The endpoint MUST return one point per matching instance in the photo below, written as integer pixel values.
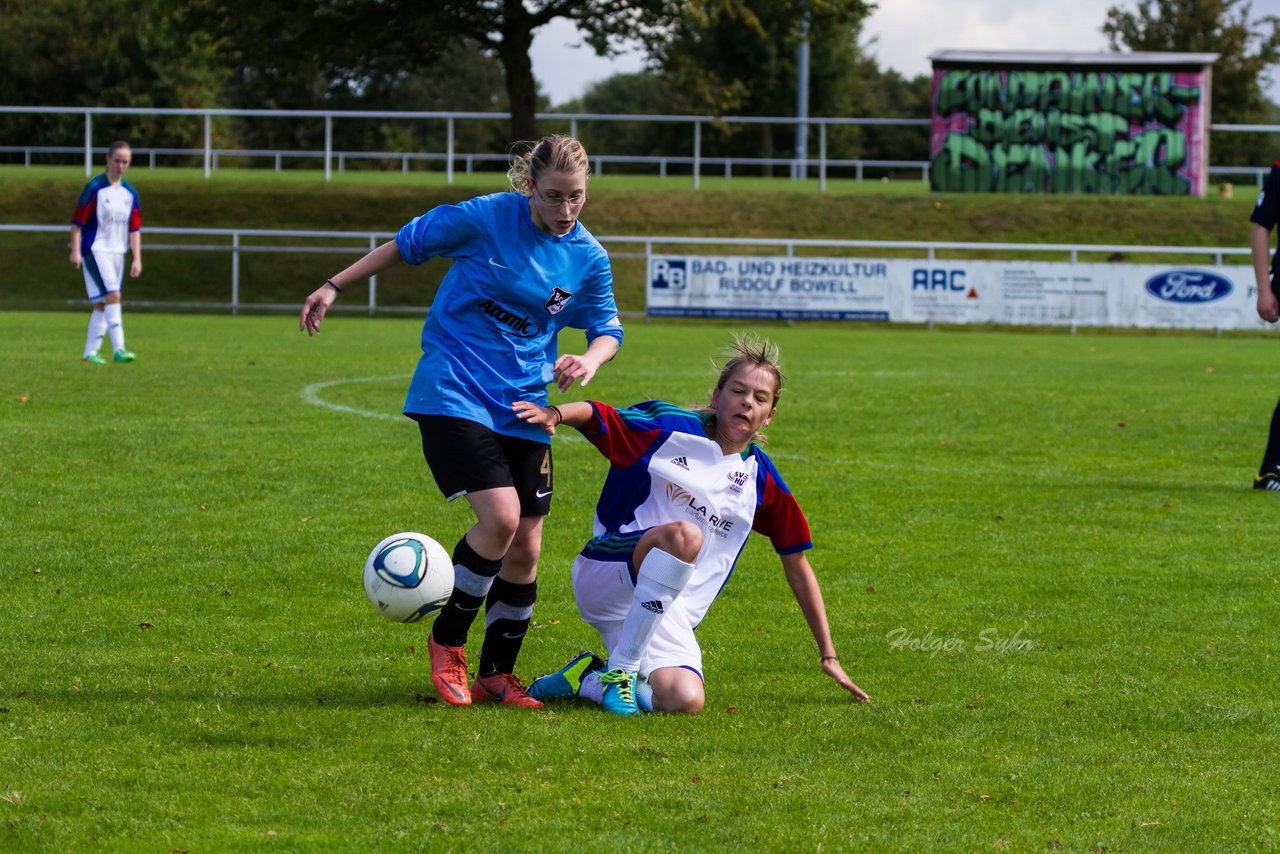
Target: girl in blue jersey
(523, 269)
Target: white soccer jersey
(106, 215)
(665, 469)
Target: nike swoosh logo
(496, 264)
(542, 494)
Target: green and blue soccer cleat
(124, 356)
(619, 692)
(566, 681)
(93, 359)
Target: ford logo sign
(1188, 286)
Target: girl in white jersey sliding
(684, 490)
(523, 269)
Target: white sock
(591, 689)
(97, 329)
(661, 578)
(644, 695)
(114, 326)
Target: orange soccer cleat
(503, 688)
(449, 672)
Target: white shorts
(604, 590)
(103, 273)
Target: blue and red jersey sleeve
(778, 514)
(135, 215)
(87, 205)
(623, 437)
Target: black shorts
(465, 456)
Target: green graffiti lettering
(1129, 95)
(1097, 95)
(1084, 163)
(951, 93)
(962, 165)
(1026, 127)
(1167, 103)
(1158, 155)
(1117, 173)
(1022, 169)
(991, 90)
(989, 128)
(1022, 89)
(1105, 129)
(1055, 91)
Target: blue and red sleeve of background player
(86, 212)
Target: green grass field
(1040, 553)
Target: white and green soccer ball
(408, 576)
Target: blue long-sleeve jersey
(490, 336)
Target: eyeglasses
(556, 200)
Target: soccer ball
(408, 576)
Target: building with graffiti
(1052, 122)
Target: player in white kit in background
(684, 490)
(107, 222)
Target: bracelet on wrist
(330, 283)
(559, 414)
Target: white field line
(311, 395)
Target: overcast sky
(905, 32)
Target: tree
(1248, 49)
(638, 93)
(122, 53)
(893, 96)
(366, 40)
(505, 28)
(739, 56)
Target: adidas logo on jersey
(655, 606)
(681, 462)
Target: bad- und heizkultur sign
(919, 291)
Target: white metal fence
(695, 161)
(599, 162)
(239, 242)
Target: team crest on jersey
(559, 297)
(737, 480)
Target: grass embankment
(37, 274)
